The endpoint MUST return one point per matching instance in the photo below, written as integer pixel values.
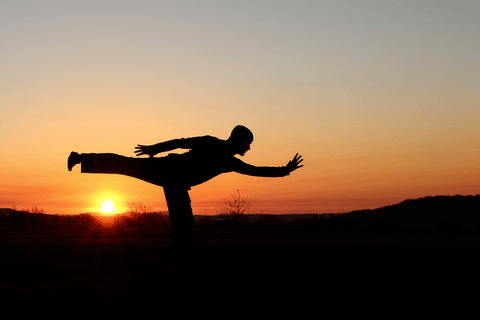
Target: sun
(107, 206)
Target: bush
(141, 216)
(236, 206)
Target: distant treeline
(440, 214)
(429, 214)
(36, 219)
(444, 214)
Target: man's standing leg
(181, 222)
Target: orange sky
(381, 99)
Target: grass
(238, 273)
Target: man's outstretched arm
(152, 150)
(183, 143)
(292, 165)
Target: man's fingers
(139, 150)
(297, 159)
(295, 162)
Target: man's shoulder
(204, 143)
(211, 140)
(203, 139)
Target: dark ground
(243, 272)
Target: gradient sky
(380, 97)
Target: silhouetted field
(238, 273)
(248, 271)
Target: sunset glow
(381, 99)
(108, 206)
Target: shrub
(141, 216)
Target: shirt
(208, 157)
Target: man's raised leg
(152, 170)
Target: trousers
(158, 171)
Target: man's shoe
(73, 159)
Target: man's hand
(294, 163)
(141, 150)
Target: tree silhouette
(236, 206)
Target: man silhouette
(177, 173)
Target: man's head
(240, 139)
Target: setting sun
(108, 206)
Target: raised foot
(73, 159)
